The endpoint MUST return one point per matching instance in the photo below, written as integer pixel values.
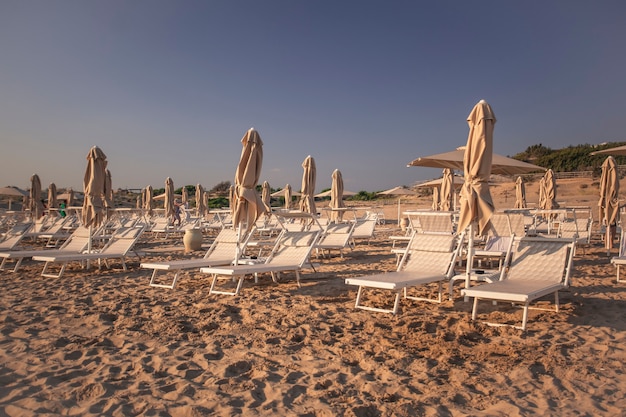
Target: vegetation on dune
(572, 158)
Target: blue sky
(168, 88)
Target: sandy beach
(105, 343)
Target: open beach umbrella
(618, 150)
(520, 193)
(609, 200)
(307, 199)
(12, 192)
(34, 200)
(336, 195)
(52, 196)
(454, 160)
(266, 196)
(168, 201)
(446, 193)
(398, 191)
(200, 201)
(248, 204)
(476, 202)
(327, 193)
(435, 205)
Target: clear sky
(168, 88)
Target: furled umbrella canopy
(94, 188)
(184, 196)
(435, 204)
(542, 192)
(148, 200)
(52, 196)
(168, 202)
(266, 196)
(307, 199)
(446, 193)
(248, 204)
(520, 193)
(336, 195)
(550, 191)
(287, 196)
(200, 202)
(34, 200)
(231, 200)
(609, 199)
(108, 190)
(476, 202)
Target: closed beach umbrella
(231, 200)
(148, 200)
(307, 199)
(34, 201)
(609, 200)
(287, 196)
(266, 196)
(435, 205)
(94, 188)
(476, 203)
(550, 191)
(248, 204)
(200, 203)
(446, 190)
(70, 197)
(336, 195)
(168, 201)
(108, 190)
(52, 196)
(542, 192)
(520, 193)
(184, 196)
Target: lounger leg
(525, 317)
(358, 296)
(556, 301)
(239, 284)
(18, 264)
(396, 303)
(474, 308)
(298, 279)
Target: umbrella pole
(399, 222)
(470, 258)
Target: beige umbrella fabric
(435, 204)
(619, 150)
(446, 192)
(266, 196)
(94, 188)
(200, 201)
(52, 196)
(542, 192)
(288, 194)
(550, 191)
(307, 199)
(609, 200)
(248, 204)
(34, 200)
(231, 200)
(148, 201)
(168, 201)
(108, 190)
(520, 194)
(11, 192)
(336, 196)
(476, 203)
(501, 165)
(184, 196)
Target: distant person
(177, 212)
(62, 209)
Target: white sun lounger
(291, 253)
(540, 266)
(222, 252)
(429, 258)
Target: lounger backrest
(224, 246)
(540, 260)
(436, 223)
(430, 253)
(364, 228)
(293, 248)
(337, 234)
(123, 240)
(14, 235)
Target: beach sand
(105, 343)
